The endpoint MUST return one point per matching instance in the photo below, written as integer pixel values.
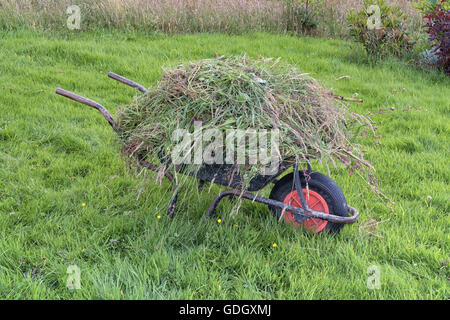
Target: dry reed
(178, 16)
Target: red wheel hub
(315, 202)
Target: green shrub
(389, 37)
(429, 6)
(437, 14)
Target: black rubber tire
(319, 183)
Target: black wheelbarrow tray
(302, 197)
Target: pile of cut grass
(238, 92)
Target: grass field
(56, 155)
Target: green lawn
(56, 155)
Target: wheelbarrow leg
(155, 168)
(173, 202)
(172, 205)
(220, 196)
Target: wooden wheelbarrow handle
(90, 103)
(126, 81)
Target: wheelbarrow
(302, 197)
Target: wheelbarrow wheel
(322, 195)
